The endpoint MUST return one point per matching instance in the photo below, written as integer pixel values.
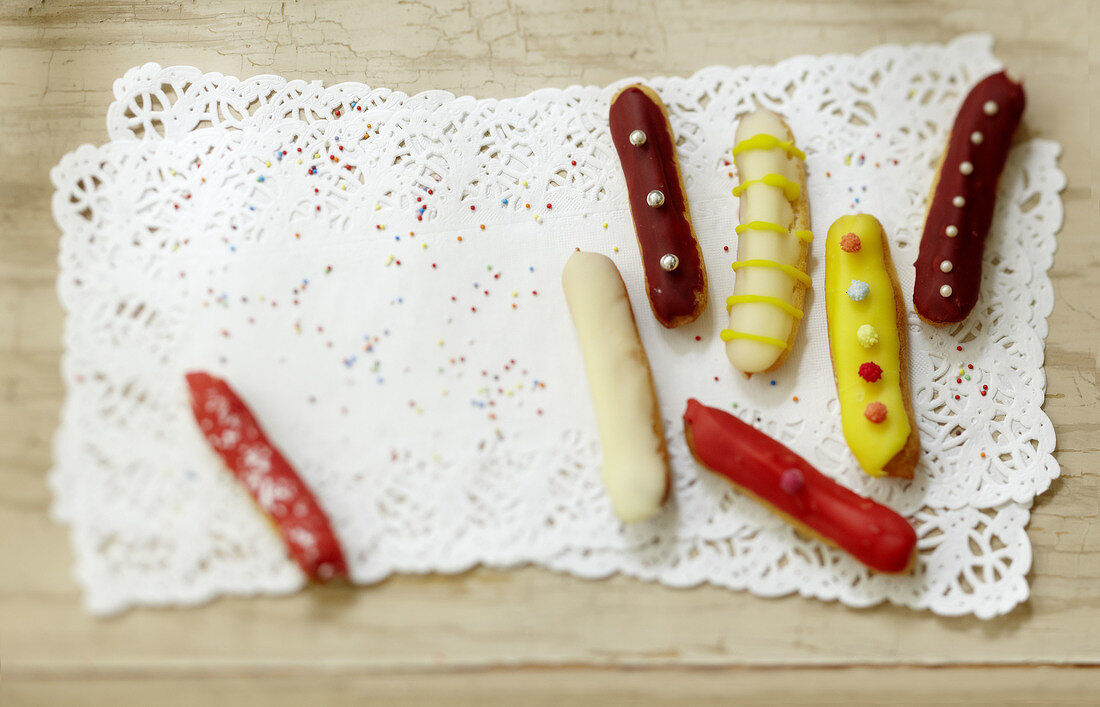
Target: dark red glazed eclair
(675, 277)
(787, 484)
(233, 432)
(960, 207)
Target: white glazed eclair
(635, 468)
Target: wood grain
(551, 687)
(528, 635)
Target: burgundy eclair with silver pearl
(960, 208)
(675, 277)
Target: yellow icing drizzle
(728, 335)
(805, 236)
(791, 190)
(782, 304)
(763, 141)
(873, 444)
(788, 269)
(758, 226)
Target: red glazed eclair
(960, 207)
(788, 485)
(675, 277)
(233, 432)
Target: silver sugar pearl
(637, 138)
(990, 108)
(976, 137)
(959, 202)
(951, 231)
(966, 168)
(669, 262)
(946, 291)
(946, 266)
(655, 198)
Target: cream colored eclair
(635, 468)
(773, 243)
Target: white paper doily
(378, 275)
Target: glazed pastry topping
(785, 482)
(866, 343)
(858, 290)
(774, 301)
(870, 371)
(790, 270)
(676, 279)
(729, 335)
(790, 189)
(763, 141)
(804, 235)
(867, 335)
(960, 210)
(791, 481)
(233, 432)
(773, 242)
(875, 412)
(635, 462)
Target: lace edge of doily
(109, 604)
(1045, 307)
(981, 42)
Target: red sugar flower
(870, 371)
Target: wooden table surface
(527, 636)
